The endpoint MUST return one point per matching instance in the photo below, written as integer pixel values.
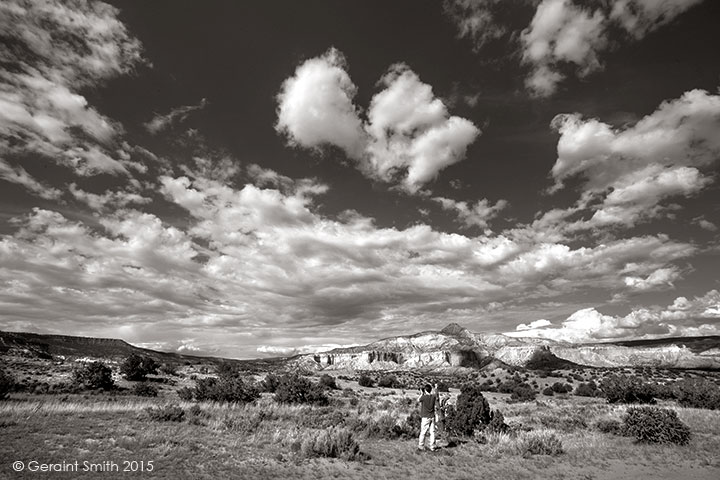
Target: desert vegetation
(213, 421)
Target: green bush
(626, 389)
(523, 393)
(656, 425)
(138, 367)
(7, 384)
(497, 422)
(93, 376)
(270, 383)
(293, 388)
(328, 381)
(226, 389)
(548, 391)
(588, 389)
(145, 389)
(366, 381)
(388, 381)
(559, 387)
(471, 412)
(168, 413)
(697, 393)
(185, 393)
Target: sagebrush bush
(471, 411)
(138, 367)
(7, 384)
(539, 443)
(145, 389)
(588, 389)
(93, 375)
(627, 389)
(656, 425)
(614, 427)
(523, 393)
(167, 413)
(185, 393)
(292, 388)
(332, 443)
(388, 381)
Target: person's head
(427, 388)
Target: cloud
(562, 33)
(408, 137)
(176, 115)
(113, 200)
(683, 318)
(315, 106)
(658, 278)
(628, 172)
(533, 325)
(18, 175)
(58, 49)
(478, 214)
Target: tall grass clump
(331, 443)
(539, 442)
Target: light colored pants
(427, 426)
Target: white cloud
(638, 17)
(176, 115)
(478, 214)
(683, 317)
(628, 172)
(409, 136)
(477, 19)
(315, 106)
(17, 174)
(60, 48)
(533, 325)
(658, 278)
(117, 199)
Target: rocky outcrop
(455, 346)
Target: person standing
(427, 401)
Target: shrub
(7, 384)
(328, 382)
(697, 393)
(185, 393)
(270, 383)
(388, 381)
(332, 443)
(168, 413)
(559, 387)
(168, 369)
(587, 390)
(472, 411)
(610, 426)
(137, 367)
(226, 389)
(626, 389)
(548, 391)
(497, 422)
(539, 443)
(366, 381)
(93, 375)
(523, 393)
(656, 425)
(293, 388)
(145, 389)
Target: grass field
(268, 440)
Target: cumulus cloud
(683, 317)
(59, 48)
(628, 172)
(478, 214)
(408, 136)
(533, 325)
(176, 115)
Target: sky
(253, 179)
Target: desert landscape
(126, 412)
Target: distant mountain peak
(454, 329)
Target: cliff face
(455, 346)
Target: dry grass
(270, 440)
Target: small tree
(7, 384)
(328, 382)
(656, 425)
(94, 375)
(366, 381)
(627, 389)
(296, 389)
(471, 412)
(388, 381)
(137, 367)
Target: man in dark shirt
(427, 400)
